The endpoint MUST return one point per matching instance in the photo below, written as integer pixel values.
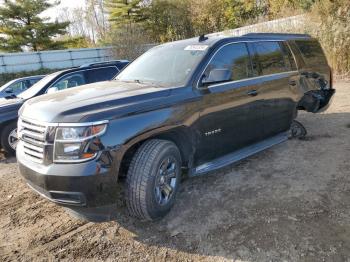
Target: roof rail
(103, 63)
(272, 35)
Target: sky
(53, 12)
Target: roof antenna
(202, 38)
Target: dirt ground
(289, 203)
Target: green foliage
(21, 26)
(167, 20)
(283, 8)
(124, 11)
(239, 12)
(155, 21)
(333, 30)
(76, 42)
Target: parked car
(195, 105)
(85, 74)
(17, 86)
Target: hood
(93, 102)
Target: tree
(282, 8)
(167, 20)
(124, 11)
(22, 27)
(96, 18)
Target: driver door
(232, 115)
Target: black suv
(85, 74)
(195, 105)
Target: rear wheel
(9, 138)
(153, 179)
(297, 130)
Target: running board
(239, 154)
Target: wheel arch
(181, 136)
(3, 125)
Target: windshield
(167, 65)
(2, 88)
(36, 88)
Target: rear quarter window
(311, 52)
(101, 74)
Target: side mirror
(9, 90)
(217, 76)
(52, 90)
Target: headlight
(72, 142)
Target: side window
(101, 74)
(288, 57)
(235, 58)
(18, 87)
(122, 65)
(14, 88)
(270, 58)
(311, 52)
(68, 81)
(33, 81)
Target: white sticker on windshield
(196, 47)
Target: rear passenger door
(275, 67)
(101, 74)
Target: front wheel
(9, 138)
(153, 179)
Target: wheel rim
(166, 181)
(297, 130)
(13, 139)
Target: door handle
(252, 93)
(292, 83)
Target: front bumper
(86, 184)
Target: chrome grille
(33, 136)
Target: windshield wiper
(142, 82)
(148, 82)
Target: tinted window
(234, 57)
(288, 57)
(269, 58)
(69, 81)
(121, 65)
(18, 87)
(311, 52)
(33, 81)
(100, 74)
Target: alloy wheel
(13, 139)
(166, 180)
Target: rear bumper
(317, 101)
(72, 185)
(327, 99)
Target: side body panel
(230, 119)
(315, 75)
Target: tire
(7, 136)
(297, 130)
(148, 194)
